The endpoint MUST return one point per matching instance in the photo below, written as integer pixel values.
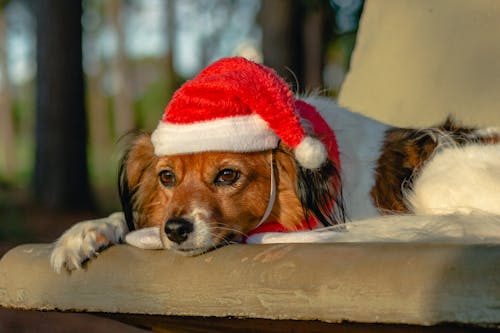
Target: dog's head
(205, 200)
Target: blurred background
(75, 76)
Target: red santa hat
(235, 105)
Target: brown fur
(403, 154)
(235, 210)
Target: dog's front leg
(83, 241)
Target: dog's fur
(206, 200)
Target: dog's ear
(138, 160)
(320, 193)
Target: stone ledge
(398, 283)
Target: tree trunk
(281, 39)
(313, 50)
(100, 137)
(169, 58)
(61, 174)
(294, 36)
(7, 133)
(123, 110)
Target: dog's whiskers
(231, 229)
(224, 239)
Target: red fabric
(238, 87)
(275, 226)
(321, 130)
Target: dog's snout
(178, 229)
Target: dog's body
(205, 200)
(388, 170)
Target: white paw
(145, 238)
(83, 241)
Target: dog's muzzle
(178, 229)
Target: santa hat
(235, 105)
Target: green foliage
(12, 217)
(150, 106)
(3, 4)
(24, 122)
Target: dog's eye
(167, 178)
(226, 177)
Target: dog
(293, 165)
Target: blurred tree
(280, 37)
(7, 133)
(295, 34)
(315, 36)
(61, 174)
(169, 57)
(212, 38)
(98, 113)
(123, 112)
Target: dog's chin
(192, 252)
(196, 251)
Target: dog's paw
(84, 240)
(145, 238)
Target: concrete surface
(415, 62)
(422, 284)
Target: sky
(145, 22)
(20, 43)
(145, 30)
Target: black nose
(178, 229)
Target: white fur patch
(80, 242)
(145, 238)
(456, 228)
(458, 180)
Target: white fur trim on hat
(239, 134)
(310, 153)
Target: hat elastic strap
(272, 195)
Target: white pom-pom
(310, 153)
